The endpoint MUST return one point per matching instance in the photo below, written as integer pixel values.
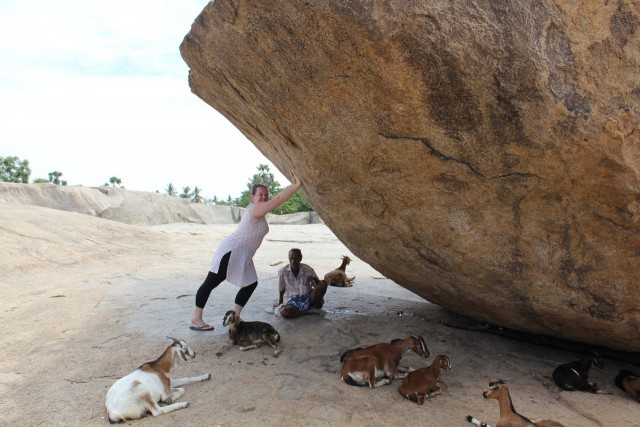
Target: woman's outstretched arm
(261, 209)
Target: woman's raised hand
(294, 179)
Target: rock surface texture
(484, 155)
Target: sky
(97, 88)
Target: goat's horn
(173, 339)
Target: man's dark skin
(319, 289)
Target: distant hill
(132, 207)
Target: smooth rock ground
(85, 301)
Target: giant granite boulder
(484, 155)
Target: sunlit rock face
(484, 155)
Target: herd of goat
(148, 390)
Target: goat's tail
(476, 421)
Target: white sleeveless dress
(243, 244)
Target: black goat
(629, 382)
(574, 375)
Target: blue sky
(96, 89)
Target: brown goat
(338, 277)
(421, 383)
(508, 415)
(629, 382)
(363, 366)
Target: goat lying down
(135, 395)
(338, 277)
(629, 382)
(249, 335)
(363, 366)
(508, 415)
(573, 376)
(420, 384)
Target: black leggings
(214, 279)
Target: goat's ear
(495, 383)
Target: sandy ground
(85, 301)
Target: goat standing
(338, 277)
(508, 415)
(421, 383)
(574, 375)
(362, 366)
(629, 382)
(249, 335)
(131, 397)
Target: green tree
(196, 196)
(186, 193)
(12, 169)
(296, 203)
(40, 180)
(115, 180)
(54, 177)
(263, 177)
(171, 190)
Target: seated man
(299, 288)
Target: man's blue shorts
(302, 302)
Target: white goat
(131, 397)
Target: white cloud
(96, 89)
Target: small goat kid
(131, 397)
(363, 366)
(508, 415)
(574, 375)
(338, 277)
(420, 384)
(629, 382)
(249, 335)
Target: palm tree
(264, 177)
(171, 190)
(196, 196)
(186, 193)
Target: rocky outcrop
(117, 204)
(485, 155)
(134, 207)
